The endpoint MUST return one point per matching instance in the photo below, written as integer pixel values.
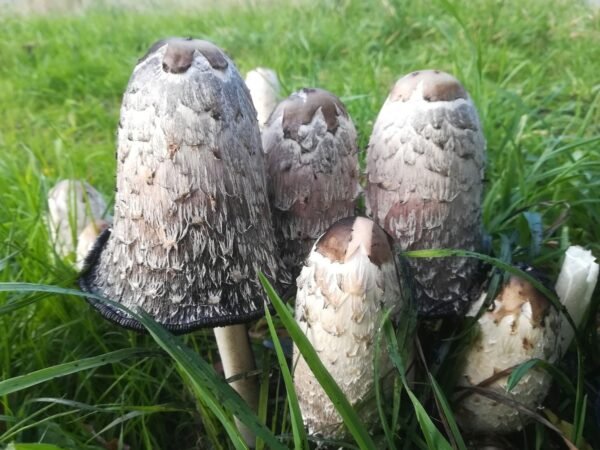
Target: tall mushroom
(74, 208)
(521, 325)
(312, 170)
(425, 166)
(349, 279)
(192, 223)
(264, 88)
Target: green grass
(532, 69)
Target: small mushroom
(73, 205)
(425, 165)
(192, 224)
(348, 281)
(521, 325)
(86, 240)
(264, 88)
(312, 170)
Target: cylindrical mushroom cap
(348, 280)
(192, 222)
(312, 170)
(425, 166)
(264, 88)
(521, 325)
(72, 206)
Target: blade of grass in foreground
(433, 436)
(40, 376)
(300, 440)
(207, 385)
(333, 391)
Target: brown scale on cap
(437, 87)
(344, 237)
(515, 293)
(179, 55)
(300, 108)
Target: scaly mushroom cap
(264, 89)
(521, 325)
(425, 166)
(312, 170)
(72, 206)
(192, 222)
(349, 279)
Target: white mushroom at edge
(76, 215)
(522, 325)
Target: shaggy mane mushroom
(192, 225)
(425, 166)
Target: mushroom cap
(192, 223)
(312, 169)
(264, 88)
(425, 167)
(349, 279)
(72, 206)
(520, 325)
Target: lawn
(531, 67)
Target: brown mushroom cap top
(436, 86)
(300, 108)
(180, 54)
(515, 293)
(345, 237)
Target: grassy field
(531, 67)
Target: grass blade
(206, 384)
(337, 397)
(300, 440)
(519, 371)
(443, 403)
(433, 436)
(40, 376)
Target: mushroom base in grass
(522, 325)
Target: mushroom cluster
(205, 202)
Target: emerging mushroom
(312, 170)
(73, 206)
(348, 281)
(425, 166)
(192, 222)
(522, 325)
(264, 88)
(86, 240)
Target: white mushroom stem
(237, 359)
(575, 286)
